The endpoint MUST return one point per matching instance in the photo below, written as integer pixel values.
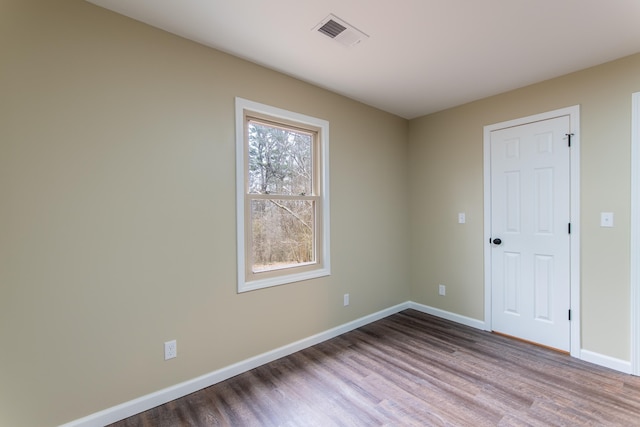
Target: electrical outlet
(170, 349)
(442, 290)
(462, 218)
(346, 300)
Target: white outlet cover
(346, 300)
(462, 218)
(170, 349)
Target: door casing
(635, 234)
(574, 115)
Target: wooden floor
(412, 369)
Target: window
(282, 196)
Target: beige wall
(117, 210)
(446, 177)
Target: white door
(530, 241)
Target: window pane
(279, 160)
(282, 232)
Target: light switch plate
(606, 219)
(462, 218)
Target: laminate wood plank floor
(412, 369)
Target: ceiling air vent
(340, 31)
(332, 29)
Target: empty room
(319, 213)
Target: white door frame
(635, 234)
(574, 117)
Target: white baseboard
(168, 394)
(468, 321)
(586, 355)
(606, 361)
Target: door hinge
(569, 314)
(569, 135)
(569, 228)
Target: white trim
(606, 361)
(487, 226)
(168, 394)
(141, 404)
(244, 285)
(635, 234)
(463, 320)
(574, 119)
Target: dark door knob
(497, 241)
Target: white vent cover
(340, 31)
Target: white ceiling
(421, 56)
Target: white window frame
(248, 281)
